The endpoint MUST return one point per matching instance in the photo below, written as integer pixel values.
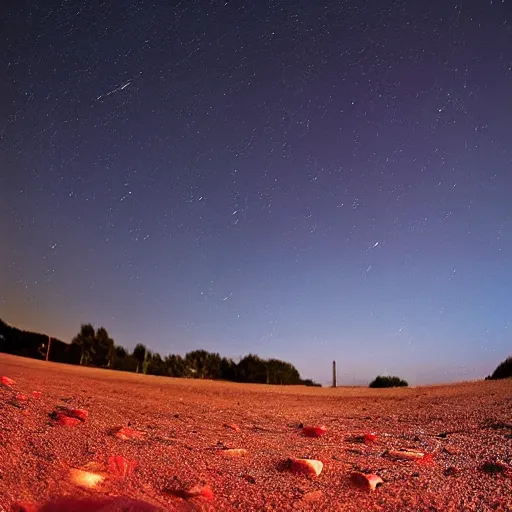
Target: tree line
(502, 371)
(95, 347)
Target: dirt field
(184, 437)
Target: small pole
(48, 349)
(334, 374)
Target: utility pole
(334, 374)
(48, 349)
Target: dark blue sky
(308, 181)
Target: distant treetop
(388, 382)
(503, 370)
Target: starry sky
(302, 180)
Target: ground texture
(183, 437)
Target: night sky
(302, 180)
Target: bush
(388, 382)
(503, 370)
(311, 383)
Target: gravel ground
(183, 433)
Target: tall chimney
(334, 374)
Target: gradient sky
(304, 180)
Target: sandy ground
(183, 423)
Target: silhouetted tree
(175, 365)
(120, 352)
(156, 365)
(124, 361)
(387, 382)
(104, 352)
(251, 368)
(85, 339)
(281, 372)
(120, 355)
(139, 353)
(196, 363)
(227, 369)
(503, 370)
(213, 368)
(147, 360)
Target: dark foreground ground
(466, 427)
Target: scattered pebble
(405, 454)
(204, 491)
(232, 426)
(369, 438)
(314, 431)
(366, 481)
(64, 420)
(80, 414)
(86, 479)
(6, 381)
(309, 467)
(126, 433)
(120, 466)
(235, 452)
